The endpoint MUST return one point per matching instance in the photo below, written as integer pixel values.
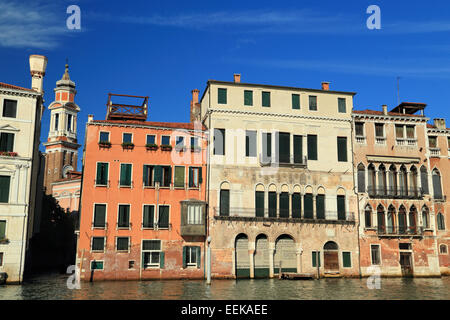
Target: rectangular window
(127, 138)
(259, 203)
(432, 141)
(165, 140)
(405, 246)
(125, 174)
(194, 142)
(250, 143)
(296, 205)
(194, 214)
(342, 108)
(272, 204)
(102, 174)
(2, 229)
(7, 142)
(296, 101)
(195, 177)
(191, 256)
(359, 129)
(1, 259)
(98, 244)
(123, 220)
(410, 132)
(399, 131)
(284, 205)
(248, 98)
(163, 220)
(267, 147)
(309, 209)
(341, 207)
(104, 137)
(69, 122)
(96, 265)
(347, 259)
(152, 256)
(5, 182)
(342, 149)
(147, 177)
(122, 243)
(148, 216)
(222, 96)
(166, 176)
(320, 206)
(313, 103)
(224, 202)
(99, 215)
(56, 121)
(284, 150)
(379, 131)
(266, 99)
(316, 259)
(375, 252)
(179, 177)
(9, 108)
(219, 142)
(298, 149)
(151, 139)
(312, 147)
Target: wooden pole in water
(317, 264)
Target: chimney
(325, 86)
(195, 106)
(237, 77)
(38, 64)
(90, 117)
(384, 109)
(439, 123)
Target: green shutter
(347, 259)
(313, 103)
(224, 202)
(169, 175)
(4, 188)
(312, 147)
(158, 174)
(2, 229)
(191, 177)
(295, 101)
(265, 99)
(145, 175)
(259, 203)
(179, 177)
(222, 96)
(184, 257)
(284, 205)
(298, 149)
(163, 221)
(123, 174)
(248, 97)
(10, 142)
(309, 211)
(341, 207)
(342, 149)
(315, 258)
(320, 206)
(200, 177)
(99, 215)
(296, 205)
(272, 204)
(284, 147)
(341, 105)
(267, 147)
(161, 260)
(149, 214)
(199, 255)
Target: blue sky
(164, 49)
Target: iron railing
(397, 231)
(392, 192)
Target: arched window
(391, 219)
(259, 201)
(440, 221)
(368, 216)
(402, 220)
(341, 204)
(437, 189)
(371, 182)
(392, 180)
(224, 199)
(425, 217)
(413, 182)
(382, 180)
(424, 180)
(443, 249)
(381, 220)
(412, 219)
(403, 180)
(361, 178)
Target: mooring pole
(208, 262)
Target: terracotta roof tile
(374, 112)
(10, 86)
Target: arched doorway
(262, 257)
(331, 256)
(242, 258)
(285, 255)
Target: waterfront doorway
(262, 266)
(406, 260)
(285, 257)
(331, 257)
(242, 259)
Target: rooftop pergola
(121, 111)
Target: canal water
(54, 287)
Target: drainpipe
(357, 200)
(208, 279)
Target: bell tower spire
(61, 147)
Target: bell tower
(61, 147)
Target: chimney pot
(325, 85)
(237, 77)
(38, 64)
(439, 123)
(195, 94)
(90, 117)
(384, 109)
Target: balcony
(395, 193)
(283, 216)
(293, 162)
(408, 142)
(435, 152)
(380, 140)
(192, 221)
(399, 231)
(360, 139)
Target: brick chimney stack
(439, 123)
(325, 86)
(195, 106)
(384, 109)
(237, 77)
